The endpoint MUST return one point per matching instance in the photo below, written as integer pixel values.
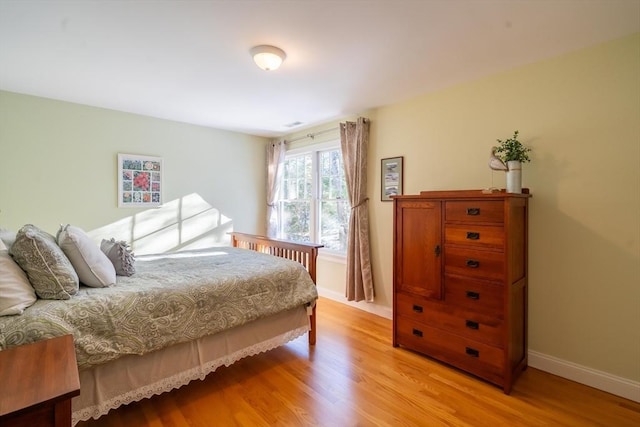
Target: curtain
(275, 160)
(354, 139)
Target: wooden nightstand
(38, 381)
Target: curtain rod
(311, 135)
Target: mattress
(173, 298)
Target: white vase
(514, 176)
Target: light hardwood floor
(354, 377)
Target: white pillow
(16, 293)
(7, 237)
(92, 265)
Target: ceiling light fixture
(268, 57)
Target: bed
(169, 324)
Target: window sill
(331, 256)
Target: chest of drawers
(460, 280)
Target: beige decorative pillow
(16, 293)
(120, 256)
(48, 268)
(92, 265)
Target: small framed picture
(139, 181)
(391, 178)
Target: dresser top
(467, 194)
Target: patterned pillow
(120, 256)
(92, 265)
(48, 268)
(16, 292)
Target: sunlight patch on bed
(179, 255)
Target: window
(314, 204)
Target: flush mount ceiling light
(268, 57)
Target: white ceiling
(189, 60)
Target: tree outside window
(314, 204)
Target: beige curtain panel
(275, 160)
(354, 139)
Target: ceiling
(189, 60)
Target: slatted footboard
(304, 253)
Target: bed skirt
(132, 378)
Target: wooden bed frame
(304, 253)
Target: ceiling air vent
(293, 124)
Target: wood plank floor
(354, 377)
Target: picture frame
(391, 178)
(139, 180)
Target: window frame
(315, 150)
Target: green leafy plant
(512, 149)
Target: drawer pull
(417, 308)
(472, 352)
(472, 235)
(437, 250)
(471, 324)
(473, 295)
(417, 332)
(473, 211)
(472, 263)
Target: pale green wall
(581, 115)
(58, 165)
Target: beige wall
(58, 165)
(581, 115)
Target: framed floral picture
(391, 178)
(139, 181)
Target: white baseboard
(572, 371)
(584, 375)
(378, 310)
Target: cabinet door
(418, 260)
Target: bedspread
(172, 298)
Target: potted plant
(513, 154)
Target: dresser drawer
(414, 307)
(486, 328)
(474, 211)
(480, 359)
(474, 295)
(481, 236)
(474, 263)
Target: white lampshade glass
(267, 61)
(268, 57)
